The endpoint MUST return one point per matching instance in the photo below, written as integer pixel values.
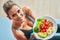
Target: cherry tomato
(46, 24)
(43, 26)
(44, 20)
(39, 30)
(47, 27)
(43, 30)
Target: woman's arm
(19, 34)
(29, 12)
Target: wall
(39, 7)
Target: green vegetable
(36, 28)
(42, 34)
(39, 23)
(39, 19)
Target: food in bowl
(43, 27)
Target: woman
(21, 26)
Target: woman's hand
(33, 36)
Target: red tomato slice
(43, 30)
(44, 20)
(46, 24)
(43, 26)
(47, 27)
(39, 30)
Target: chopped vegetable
(36, 28)
(42, 34)
(43, 27)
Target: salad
(43, 27)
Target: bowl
(50, 35)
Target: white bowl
(54, 31)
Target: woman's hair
(8, 5)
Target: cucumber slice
(42, 34)
(50, 30)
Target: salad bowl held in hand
(44, 27)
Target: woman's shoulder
(15, 30)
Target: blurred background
(39, 7)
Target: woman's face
(16, 14)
